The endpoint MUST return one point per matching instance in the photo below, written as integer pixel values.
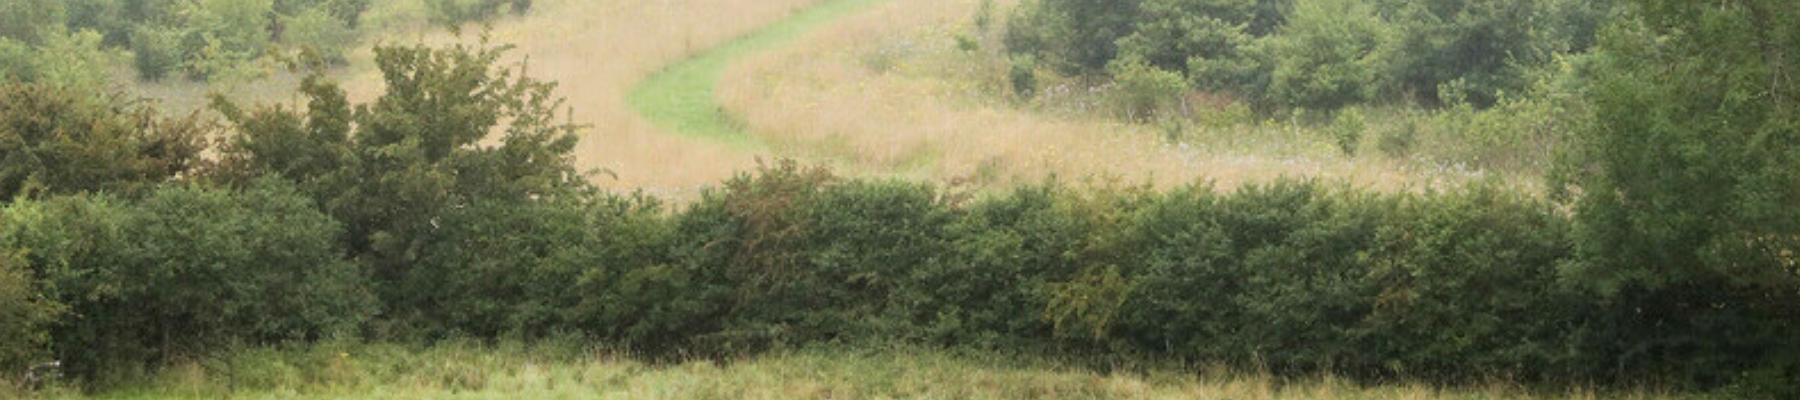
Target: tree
(317, 32)
(29, 20)
(1207, 40)
(452, 130)
(1329, 55)
(223, 36)
(1685, 187)
(1076, 36)
(1479, 48)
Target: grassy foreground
(681, 97)
(461, 371)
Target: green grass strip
(681, 99)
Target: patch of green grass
(681, 97)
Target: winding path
(681, 99)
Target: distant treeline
(1315, 54)
(1665, 255)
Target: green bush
(186, 271)
(1469, 288)
(1683, 192)
(1347, 129)
(525, 270)
(393, 168)
(1143, 92)
(1009, 254)
(1484, 47)
(56, 140)
(156, 52)
(788, 257)
(25, 315)
(453, 14)
(28, 20)
(1074, 36)
(108, 17)
(1207, 41)
(319, 33)
(1329, 55)
(18, 61)
(1023, 77)
(74, 61)
(1270, 275)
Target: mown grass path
(681, 99)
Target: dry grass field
(885, 91)
(514, 372)
(598, 50)
(889, 92)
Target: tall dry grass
(563, 371)
(598, 50)
(891, 92)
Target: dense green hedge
(186, 270)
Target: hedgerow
(450, 208)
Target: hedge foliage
(185, 270)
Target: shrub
(1483, 47)
(318, 33)
(788, 257)
(1023, 76)
(1347, 130)
(156, 52)
(1469, 289)
(55, 140)
(1329, 55)
(186, 271)
(525, 270)
(25, 314)
(108, 17)
(223, 38)
(73, 61)
(1684, 200)
(453, 14)
(1075, 36)
(392, 169)
(28, 20)
(1143, 92)
(1269, 275)
(18, 61)
(1397, 140)
(1204, 40)
(1011, 258)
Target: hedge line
(450, 207)
(1297, 277)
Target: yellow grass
(457, 371)
(599, 49)
(887, 92)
